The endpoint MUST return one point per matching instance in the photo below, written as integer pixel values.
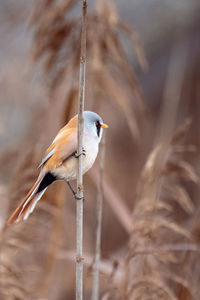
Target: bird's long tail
(28, 204)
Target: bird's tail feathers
(28, 204)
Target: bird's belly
(68, 170)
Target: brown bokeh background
(143, 78)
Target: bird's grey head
(93, 124)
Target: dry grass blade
(148, 226)
(182, 197)
(183, 169)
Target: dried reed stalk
(95, 286)
(79, 203)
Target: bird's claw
(82, 153)
(78, 198)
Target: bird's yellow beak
(103, 125)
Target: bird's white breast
(91, 147)
(68, 170)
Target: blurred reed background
(143, 77)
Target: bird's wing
(47, 157)
(63, 147)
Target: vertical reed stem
(95, 286)
(79, 203)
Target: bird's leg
(82, 153)
(71, 188)
(73, 192)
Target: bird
(60, 161)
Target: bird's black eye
(98, 126)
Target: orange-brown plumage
(64, 146)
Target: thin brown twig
(95, 286)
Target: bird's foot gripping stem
(74, 193)
(78, 198)
(82, 153)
